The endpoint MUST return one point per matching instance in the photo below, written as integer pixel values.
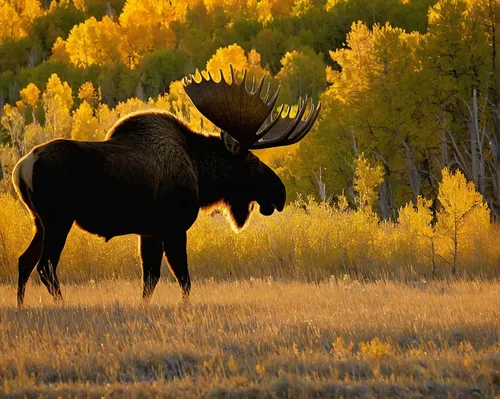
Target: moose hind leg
(175, 251)
(28, 261)
(53, 244)
(151, 250)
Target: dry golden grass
(257, 338)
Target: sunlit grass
(258, 338)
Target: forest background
(401, 173)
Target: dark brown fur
(150, 177)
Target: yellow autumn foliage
(88, 93)
(375, 348)
(93, 42)
(57, 101)
(235, 55)
(463, 215)
(366, 181)
(307, 241)
(11, 23)
(30, 95)
(85, 124)
(417, 233)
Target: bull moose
(152, 174)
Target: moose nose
(267, 209)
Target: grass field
(253, 339)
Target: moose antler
(247, 117)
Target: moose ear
(232, 145)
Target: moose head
(247, 121)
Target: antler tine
(231, 70)
(187, 79)
(258, 91)
(197, 72)
(300, 103)
(311, 118)
(275, 97)
(307, 120)
(243, 81)
(291, 127)
(293, 132)
(223, 79)
(253, 85)
(287, 112)
(273, 120)
(266, 96)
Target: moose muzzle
(273, 194)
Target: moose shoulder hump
(147, 123)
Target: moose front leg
(151, 250)
(28, 261)
(174, 246)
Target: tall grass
(307, 241)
